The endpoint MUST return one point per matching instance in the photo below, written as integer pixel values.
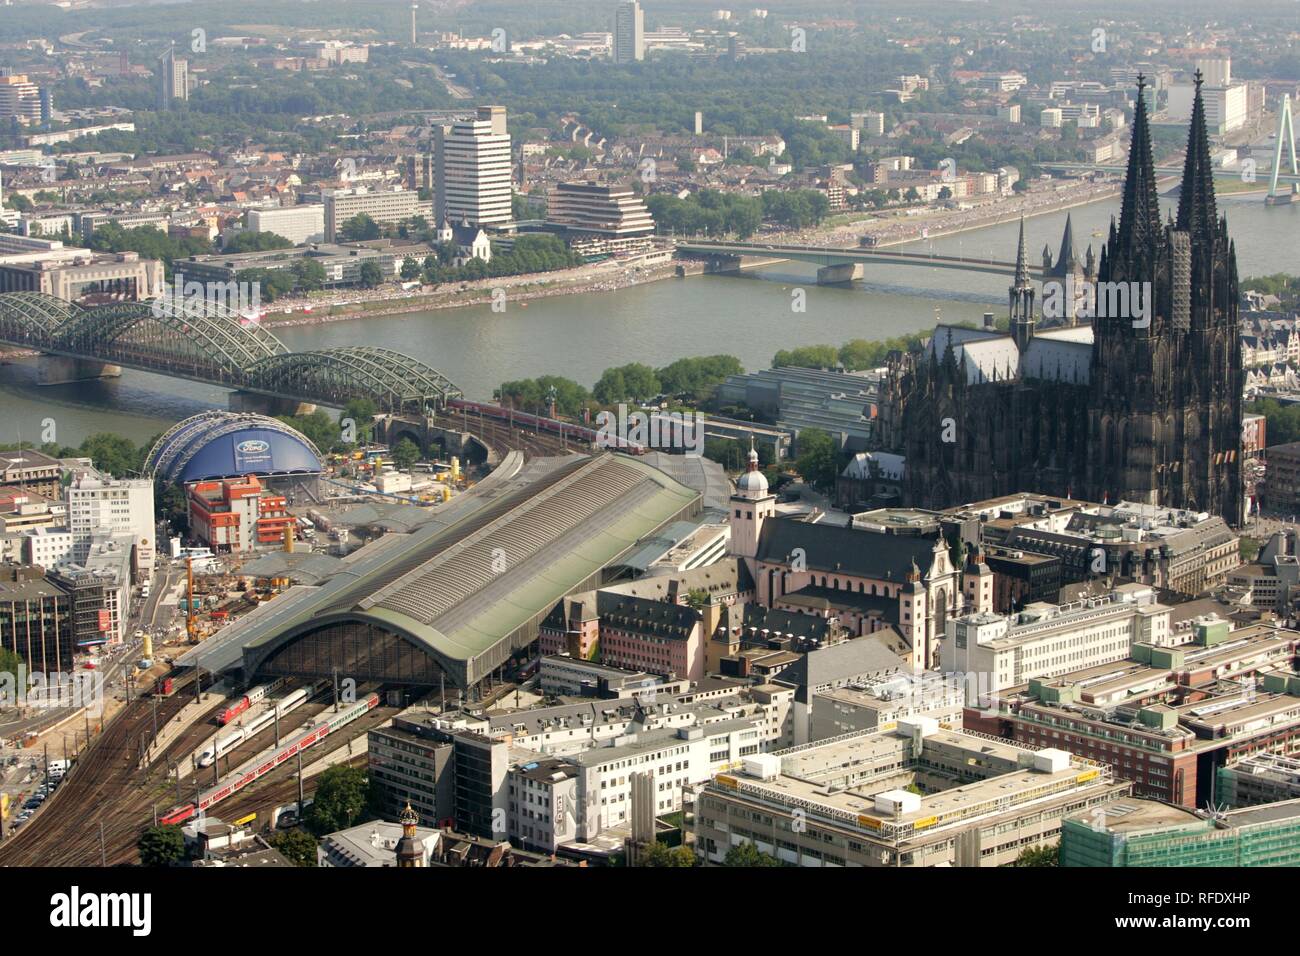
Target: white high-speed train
(228, 742)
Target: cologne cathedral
(1142, 407)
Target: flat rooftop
(1265, 813)
(812, 776)
(1131, 816)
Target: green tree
(161, 846)
(410, 269)
(1282, 422)
(112, 453)
(1285, 287)
(19, 202)
(808, 356)
(342, 799)
(817, 457)
(148, 242)
(796, 208)
(9, 663)
(698, 598)
(360, 228)
(322, 430)
(533, 395)
(405, 454)
(858, 354)
(696, 378)
(173, 505)
(308, 274)
(255, 242)
(734, 455)
(659, 853)
(633, 382)
(370, 275)
(1039, 856)
(297, 846)
(271, 283)
(362, 411)
(746, 854)
(707, 211)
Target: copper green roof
(471, 590)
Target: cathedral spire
(1022, 259)
(1067, 257)
(1021, 296)
(1196, 206)
(1139, 217)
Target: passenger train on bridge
(578, 433)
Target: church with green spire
(1141, 404)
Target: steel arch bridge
(216, 346)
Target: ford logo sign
(253, 446)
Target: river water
(578, 336)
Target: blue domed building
(219, 444)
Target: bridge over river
(838, 265)
(215, 346)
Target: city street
(22, 769)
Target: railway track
(109, 786)
(281, 786)
(501, 438)
(201, 778)
(102, 789)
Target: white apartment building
(629, 33)
(1046, 640)
(471, 162)
(99, 505)
(544, 804)
(383, 206)
(680, 758)
(870, 122)
(47, 547)
(299, 224)
(1226, 107)
(570, 729)
(173, 79)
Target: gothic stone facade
(1137, 407)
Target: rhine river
(578, 336)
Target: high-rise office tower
(173, 80)
(21, 98)
(629, 33)
(472, 169)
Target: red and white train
(248, 700)
(262, 765)
(229, 741)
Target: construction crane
(190, 628)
